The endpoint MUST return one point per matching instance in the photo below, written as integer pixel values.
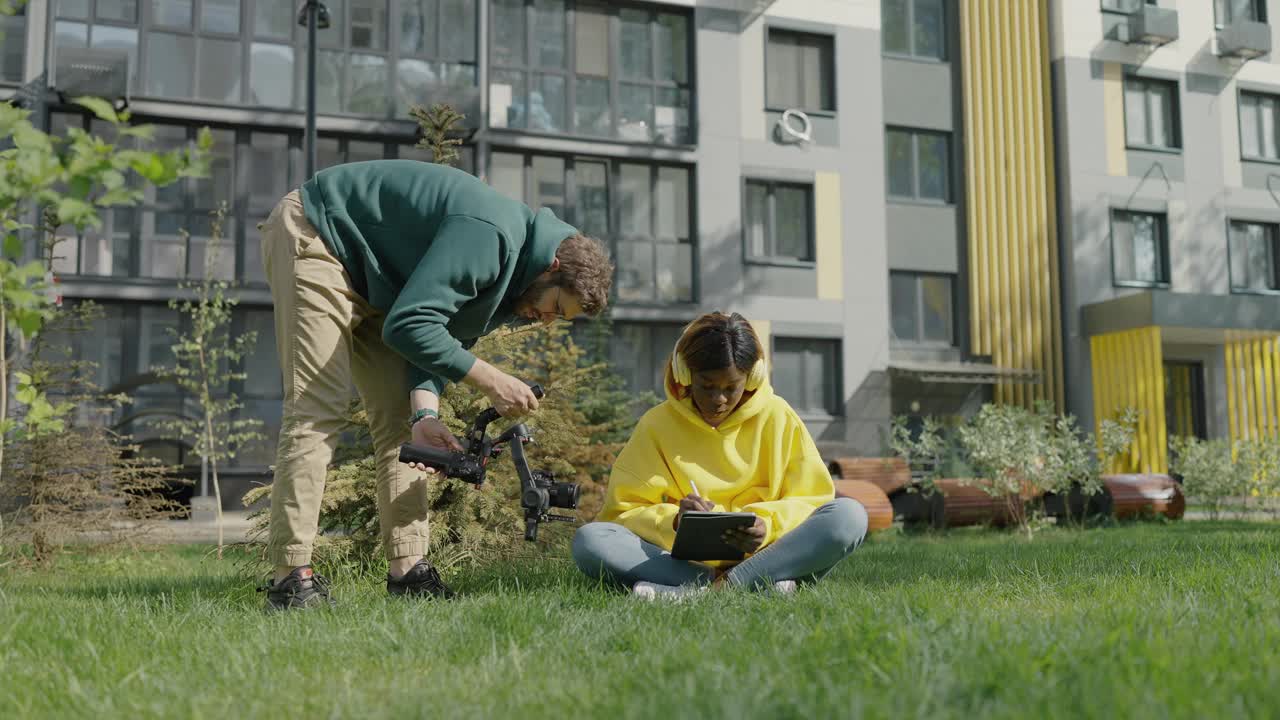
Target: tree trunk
(217, 490)
(4, 381)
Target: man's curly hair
(586, 271)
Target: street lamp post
(314, 15)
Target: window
(1151, 113)
(253, 51)
(923, 308)
(800, 71)
(1139, 248)
(130, 340)
(806, 373)
(779, 221)
(919, 164)
(638, 352)
(437, 44)
(251, 170)
(641, 208)
(1226, 12)
(917, 28)
(1126, 6)
(572, 66)
(1255, 257)
(13, 45)
(1258, 128)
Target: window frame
(1138, 4)
(529, 69)
(948, 174)
(248, 38)
(836, 346)
(241, 219)
(1174, 113)
(1162, 249)
(828, 38)
(1273, 236)
(771, 187)
(911, 54)
(615, 235)
(1259, 97)
(919, 341)
(15, 23)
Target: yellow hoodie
(761, 459)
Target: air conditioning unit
(1245, 39)
(92, 71)
(1151, 25)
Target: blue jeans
(608, 551)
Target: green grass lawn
(1176, 620)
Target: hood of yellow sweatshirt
(747, 409)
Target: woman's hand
(692, 503)
(748, 539)
(431, 432)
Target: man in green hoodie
(384, 274)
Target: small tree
(206, 362)
(1209, 473)
(438, 127)
(66, 182)
(470, 524)
(81, 479)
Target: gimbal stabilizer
(539, 491)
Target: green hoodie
(444, 255)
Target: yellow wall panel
(1113, 113)
(1009, 166)
(1253, 386)
(829, 236)
(1128, 369)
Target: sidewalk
(204, 529)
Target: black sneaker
(422, 580)
(302, 588)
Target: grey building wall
(1200, 187)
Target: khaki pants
(327, 336)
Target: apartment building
(1166, 131)
(839, 171)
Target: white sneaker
(784, 587)
(652, 591)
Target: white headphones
(683, 377)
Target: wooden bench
(1138, 495)
(888, 474)
(879, 509)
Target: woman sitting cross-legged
(722, 441)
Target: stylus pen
(695, 488)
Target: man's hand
(748, 539)
(691, 503)
(431, 432)
(511, 397)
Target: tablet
(698, 537)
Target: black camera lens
(564, 495)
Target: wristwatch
(419, 414)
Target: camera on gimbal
(539, 490)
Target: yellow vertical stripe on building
(1159, 455)
(1113, 117)
(1128, 369)
(1268, 389)
(1012, 236)
(829, 235)
(977, 218)
(1229, 365)
(1253, 386)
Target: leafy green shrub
(576, 437)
